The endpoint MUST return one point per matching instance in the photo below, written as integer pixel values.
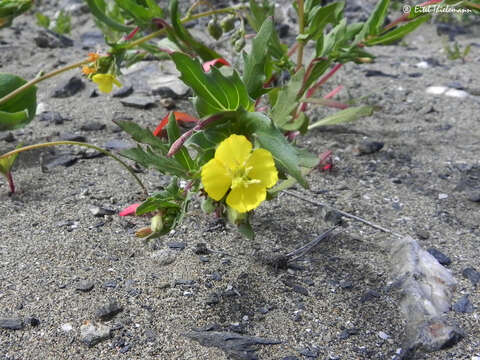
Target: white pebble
(383, 335)
(423, 65)
(436, 90)
(442, 196)
(67, 327)
(456, 93)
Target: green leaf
(154, 10)
(160, 162)
(398, 32)
(374, 23)
(318, 70)
(6, 163)
(137, 11)
(320, 16)
(20, 110)
(101, 16)
(214, 92)
(246, 230)
(182, 33)
(143, 136)
(334, 40)
(281, 113)
(258, 14)
(343, 116)
(62, 23)
(254, 63)
(173, 132)
(283, 152)
(42, 20)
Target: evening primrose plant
(240, 151)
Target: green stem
(103, 151)
(301, 29)
(41, 78)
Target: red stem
(10, 182)
(333, 92)
(322, 81)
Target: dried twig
(343, 213)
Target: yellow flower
(248, 174)
(105, 82)
(87, 70)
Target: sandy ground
(417, 185)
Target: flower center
(240, 177)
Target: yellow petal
(105, 82)
(233, 151)
(244, 199)
(263, 167)
(216, 179)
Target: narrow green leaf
(133, 8)
(11, 121)
(398, 32)
(254, 63)
(101, 16)
(42, 20)
(154, 10)
(173, 132)
(281, 113)
(343, 116)
(320, 16)
(246, 230)
(374, 23)
(160, 162)
(214, 92)
(143, 136)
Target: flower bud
(214, 29)
(239, 44)
(157, 223)
(143, 232)
(228, 23)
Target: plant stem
(65, 142)
(301, 29)
(41, 78)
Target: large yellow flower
(248, 174)
(105, 82)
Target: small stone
(370, 73)
(98, 211)
(9, 138)
(169, 86)
(52, 40)
(212, 299)
(441, 257)
(436, 90)
(422, 233)
(297, 288)
(346, 284)
(167, 103)
(333, 217)
(176, 245)
(422, 65)
(118, 145)
(138, 101)
(70, 88)
(460, 94)
(463, 305)
(283, 30)
(85, 286)
(124, 349)
(442, 196)
(108, 311)
(471, 274)
(382, 335)
(53, 117)
(67, 327)
(309, 353)
(369, 295)
(93, 126)
(216, 276)
(32, 321)
(164, 257)
(474, 196)
(73, 137)
(201, 249)
(369, 147)
(345, 334)
(92, 333)
(124, 91)
(290, 358)
(110, 284)
(11, 324)
(204, 259)
(62, 160)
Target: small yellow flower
(105, 82)
(93, 57)
(248, 174)
(87, 70)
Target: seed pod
(228, 23)
(235, 36)
(239, 44)
(214, 29)
(157, 223)
(207, 205)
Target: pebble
(11, 324)
(67, 327)
(176, 245)
(370, 73)
(441, 257)
(124, 91)
(138, 101)
(201, 249)
(73, 137)
(108, 311)
(85, 286)
(164, 257)
(62, 160)
(70, 88)
(92, 333)
(463, 305)
(52, 117)
(369, 147)
(212, 299)
(98, 211)
(118, 145)
(442, 196)
(93, 126)
(471, 274)
(32, 321)
(422, 233)
(51, 40)
(9, 138)
(369, 295)
(474, 196)
(309, 353)
(345, 334)
(382, 335)
(169, 86)
(443, 90)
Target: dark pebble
(70, 88)
(32, 321)
(297, 288)
(52, 40)
(422, 233)
(108, 311)
(138, 102)
(73, 137)
(93, 126)
(309, 353)
(124, 349)
(204, 259)
(441, 257)
(333, 217)
(463, 305)
(118, 145)
(101, 211)
(124, 91)
(345, 334)
(11, 324)
(346, 284)
(369, 295)
(415, 75)
(93, 93)
(474, 196)
(53, 117)
(283, 30)
(201, 249)
(85, 286)
(9, 138)
(290, 358)
(471, 274)
(216, 276)
(370, 73)
(176, 245)
(212, 299)
(62, 160)
(369, 147)
(110, 284)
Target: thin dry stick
(302, 251)
(343, 213)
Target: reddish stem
(322, 81)
(10, 182)
(132, 34)
(333, 92)
(404, 17)
(292, 50)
